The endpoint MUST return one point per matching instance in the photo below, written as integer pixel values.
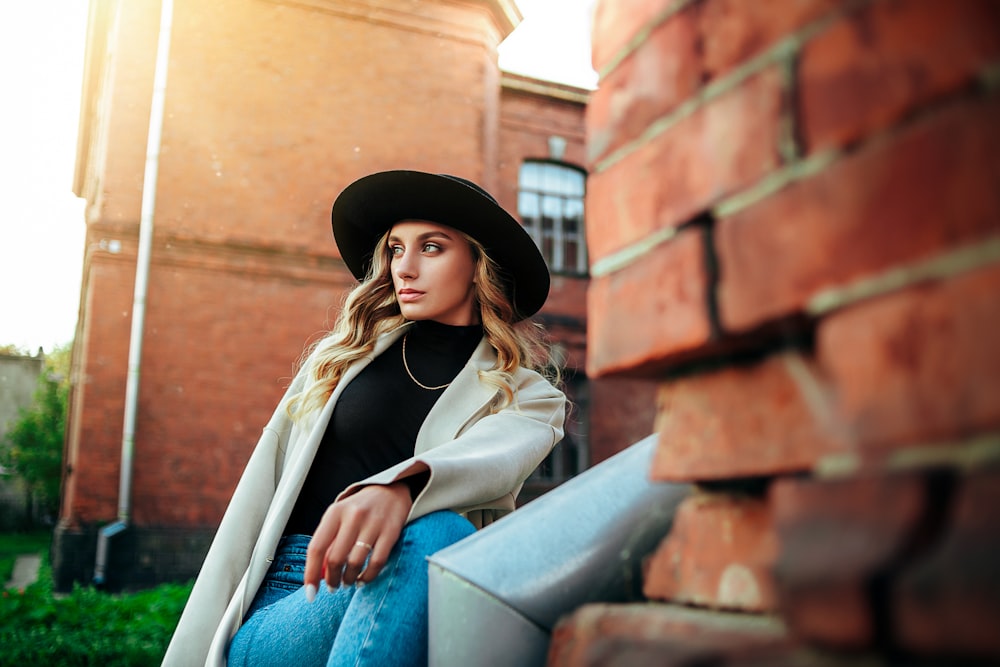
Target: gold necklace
(407, 367)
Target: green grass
(13, 545)
(25, 543)
(85, 627)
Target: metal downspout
(141, 282)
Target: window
(550, 203)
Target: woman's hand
(371, 517)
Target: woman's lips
(408, 295)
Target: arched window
(550, 203)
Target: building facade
(270, 108)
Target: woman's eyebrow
(423, 237)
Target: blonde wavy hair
(371, 309)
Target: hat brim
(370, 206)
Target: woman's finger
(377, 559)
(395, 511)
(377, 513)
(316, 552)
(356, 560)
(352, 519)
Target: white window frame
(556, 188)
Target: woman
(414, 422)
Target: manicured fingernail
(359, 584)
(310, 592)
(330, 587)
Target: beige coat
(477, 460)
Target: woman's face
(432, 272)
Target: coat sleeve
(486, 463)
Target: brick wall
(532, 112)
(794, 231)
(618, 411)
(271, 109)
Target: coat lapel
(459, 403)
(292, 479)
(464, 398)
(318, 427)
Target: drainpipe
(139, 298)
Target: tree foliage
(33, 446)
(13, 350)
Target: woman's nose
(405, 266)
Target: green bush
(32, 448)
(88, 627)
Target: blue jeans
(381, 623)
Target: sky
(41, 221)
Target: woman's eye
(396, 250)
(431, 247)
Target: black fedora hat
(371, 205)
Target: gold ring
(359, 543)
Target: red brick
(930, 188)
(609, 430)
(226, 178)
(719, 149)
(230, 408)
(527, 121)
(949, 602)
(567, 298)
(616, 22)
(668, 286)
(921, 365)
(877, 65)
(735, 30)
(836, 537)
(91, 485)
(667, 635)
(799, 656)
(128, 124)
(719, 554)
(654, 79)
(744, 421)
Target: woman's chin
(412, 313)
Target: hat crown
(474, 186)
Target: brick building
(794, 229)
(271, 107)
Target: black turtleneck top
(378, 415)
